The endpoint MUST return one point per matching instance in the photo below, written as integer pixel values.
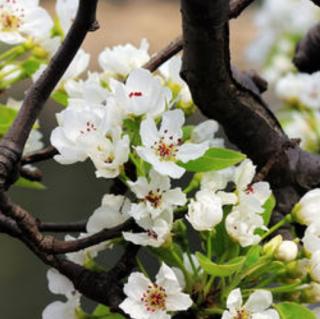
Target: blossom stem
(12, 53)
(213, 311)
(183, 269)
(141, 267)
(285, 220)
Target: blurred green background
(73, 192)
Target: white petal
(234, 300)
(148, 132)
(172, 122)
(178, 302)
(189, 151)
(135, 287)
(259, 301)
(133, 308)
(58, 283)
(244, 174)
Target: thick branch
(308, 51)
(14, 141)
(76, 227)
(246, 119)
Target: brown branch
(308, 51)
(245, 117)
(38, 156)
(238, 6)
(76, 227)
(32, 174)
(11, 146)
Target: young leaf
(222, 270)
(213, 160)
(268, 209)
(61, 97)
(292, 310)
(22, 182)
(7, 115)
(103, 312)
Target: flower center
(249, 190)
(11, 16)
(135, 94)
(152, 234)
(89, 127)
(167, 146)
(154, 298)
(242, 314)
(154, 198)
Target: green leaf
(131, 127)
(7, 115)
(220, 270)
(268, 206)
(169, 254)
(103, 312)
(292, 310)
(30, 66)
(252, 255)
(61, 97)
(22, 182)
(187, 131)
(213, 160)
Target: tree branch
(308, 51)
(11, 146)
(76, 227)
(245, 117)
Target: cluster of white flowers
(280, 25)
(248, 198)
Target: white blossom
(311, 239)
(112, 212)
(205, 132)
(148, 300)
(89, 90)
(155, 196)
(66, 11)
(315, 266)
(257, 306)
(170, 70)
(242, 227)
(141, 94)
(157, 230)
(20, 19)
(81, 257)
(205, 212)
(306, 211)
(217, 180)
(122, 59)
(61, 285)
(162, 148)
(251, 196)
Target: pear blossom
(170, 70)
(287, 251)
(311, 239)
(122, 59)
(205, 132)
(258, 306)
(242, 227)
(155, 196)
(148, 300)
(89, 90)
(306, 211)
(81, 257)
(112, 212)
(217, 180)
(315, 266)
(141, 94)
(66, 11)
(205, 212)
(61, 285)
(298, 126)
(157, 230)
(91, 131)
(251, 196)
(78, 65)
(162, 148)
(20, 19)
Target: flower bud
(306, 211)
(287, 251)
(315, 266)
(271, 246)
